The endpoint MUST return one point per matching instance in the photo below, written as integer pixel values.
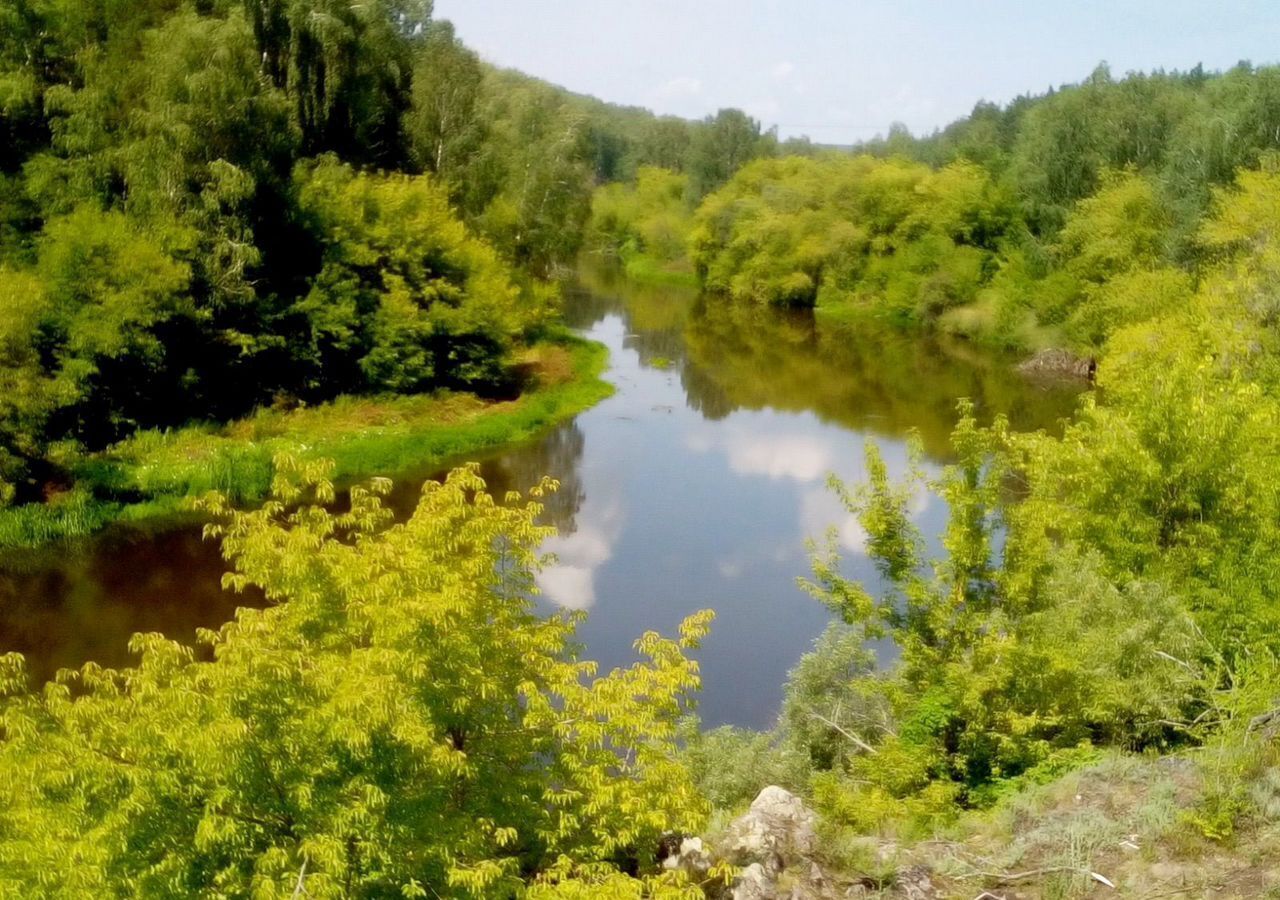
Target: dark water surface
(694, 486)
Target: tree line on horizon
(1052, 220)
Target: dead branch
(1015, 877)
(849, 734)
(1266, 720)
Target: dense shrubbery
(1114, 587)
(399, 722)
(949, 247)
(831, 230)
(405, 299)
(644, 225)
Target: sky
(841, 71)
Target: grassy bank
(1123, 826)
(149, 477)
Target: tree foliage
(208, 207)
(405, 298)
(1113, 586)
(397, 721)
(840, 230)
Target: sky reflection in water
(687, 498)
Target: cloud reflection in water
(570, 582)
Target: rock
(775, 835)
(687, 856)
(811, 883)
(1056, 363)
(915, 884)
(777, 831)
(755, 884)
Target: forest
(1053, 221)
(234, 233)
(210, 210)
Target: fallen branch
(1183, 663)
(299, 890)
(849, 734)
(1015, 877)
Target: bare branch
(299, 890)
(1014, 877)
(849, 734)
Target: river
(695, 485)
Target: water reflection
(873, 379)
(706, 472)
(579, 552)
(83, 605)
(778, 453)
(694, 486)
(558, 454)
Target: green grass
(75, 513)
(148, 478)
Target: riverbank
(697, 481)
(1123, 825)
(149, 478)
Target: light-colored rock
(755, 884)
(773, 844)
(810, 882)
(1057, 363)
(777, 831)
(691, 858)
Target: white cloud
(820, 509)
(783, 70)
(796, 456)
(683, 86)
(570, 580)
(730, 568)
(752, 450)
(572, 587)
(919, 501)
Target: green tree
(346, 67)
(397, 721)
(666, 144)
(993, 679)
(443, 123)
(538, 164)
(725, 143)
(92, 326)
(649, 218)
(406, 298)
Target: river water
(695, 485)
